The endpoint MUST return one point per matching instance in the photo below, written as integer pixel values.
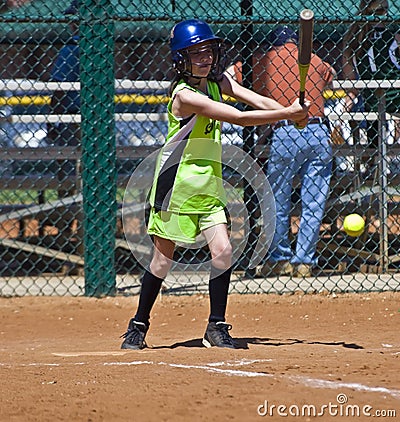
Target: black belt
(311, 121)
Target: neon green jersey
(188, 176)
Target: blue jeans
(307, 153)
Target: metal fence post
(98, 145)
(249, 197)
(383, 183)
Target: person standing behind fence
(66, 69)
(5, 126)
(372, 51)
(305, 152)
(187, 196)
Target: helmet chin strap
(198, 79)
(190, 75)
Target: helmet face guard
(183, 64)
(192, 32)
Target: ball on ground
(353, 225)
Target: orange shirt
(276, 75)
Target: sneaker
(283, 268)
(134, 336)
(303, 270)
(217, 335)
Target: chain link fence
(84, 89)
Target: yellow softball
(353, 225)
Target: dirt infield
(302, 357)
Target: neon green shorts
(182, 227)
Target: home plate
(74, 354)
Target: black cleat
(217, 335)
(134, 336)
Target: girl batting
(187, 196)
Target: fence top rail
(76, 118)
(366, 83)
(34, 85)
(142, 151)
(163, 117)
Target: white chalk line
(208, 367)
(133, 363)
(212, 368)
(241, 362)
(231, 372)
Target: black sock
(151, 286)
(218, 290)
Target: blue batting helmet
(189, 33)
